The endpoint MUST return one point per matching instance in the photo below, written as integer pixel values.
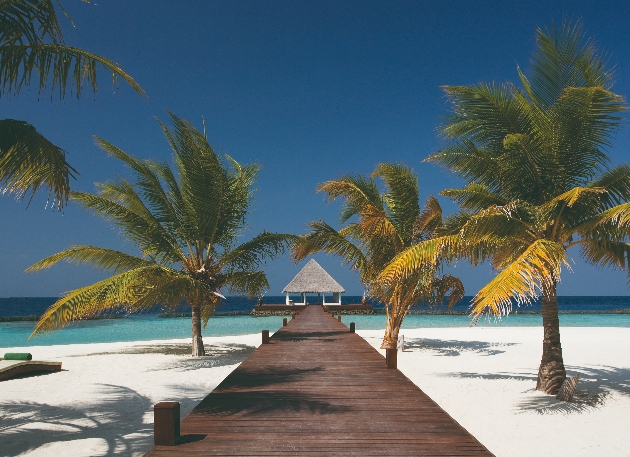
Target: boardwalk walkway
(318, 389)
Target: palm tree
(32, 48)
(386, 224)
(538, 183)
(184, 222)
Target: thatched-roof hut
(314, 279)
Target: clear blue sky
(309, 89)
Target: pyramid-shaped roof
(313, 279)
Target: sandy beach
(484, 377)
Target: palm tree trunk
(394, 321)
(551, 373)
(197, 341)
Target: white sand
(101, 404)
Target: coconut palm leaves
(28, 161)
(185, 222)
(32, 49)
(385, 224)
(538, 182)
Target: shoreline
(101, 403)
(618, 311)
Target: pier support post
(351, 327)
(391, 358)
(265, 337)
(339, 318)
(284, 322)
(166, 423)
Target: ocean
(231, 319)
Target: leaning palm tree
(384, 225)
(539, 183)
(185, 222)
(32, 48)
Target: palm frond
(132, 290)
(429, 220)
(603, 250)
(540, 263)
(106, 259)
(58, 65)
(32, 45)
(616, 182)
(28, 162)
(324, 238)
(401, 197)
(447, 285)
(216, 200)
(360, 195)
(250, 283)
(141, 228)
(253, 253)
(422, 255)
(483, 113)
(474, 196)
(469, 161)
(564, 58)
(586, 120)
(617, 217)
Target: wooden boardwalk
(318, 389)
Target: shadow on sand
(216, 355)
(27, 426)
(595, 386)
(454, 347)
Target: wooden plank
(317, 389)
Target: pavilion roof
(313, 279)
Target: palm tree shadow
(26, 426)
(453, 348)
(287, 335)
(216, 355)
(262, 402)
(596, 385)
(583, 401)
(240, 393)
(511, 376)
(245, 378)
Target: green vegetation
(538, 183)
(184, 222)
(386, 224)
(32, 48)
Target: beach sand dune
(484, 377)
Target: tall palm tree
(185, 222)
(32, 48)
(538, 183)
(385, 224)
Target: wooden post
(339, 318)
(265, 337)
(166, 423)
(351, 327)
(284, 322)
(391, 358)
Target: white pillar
(287, 298)
(323, 298)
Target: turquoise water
(151, 327)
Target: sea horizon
(576, 311)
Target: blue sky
(310, 90)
